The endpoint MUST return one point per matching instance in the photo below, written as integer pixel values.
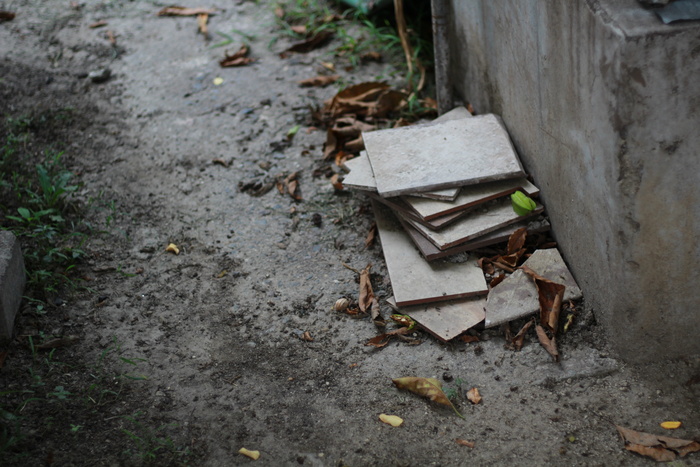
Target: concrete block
(12, 279)
(600, 99)
(448, 154)
(445, 320)
(475, 224)
(516, 296)
(414, 280)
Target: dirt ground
(212, 337)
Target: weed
(151, 444)
(39, 211)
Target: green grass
(36, 203)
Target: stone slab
(516, 296)
(445, 320)
(414, 280)
(454, 153)
(469, 197)
(430, 252)
(473, 225)
(361, 177)
(397, 204)
(12, 280)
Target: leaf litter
(430, 388)
(659, 448)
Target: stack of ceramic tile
(437, 190)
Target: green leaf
(24, 212)
(522, 204)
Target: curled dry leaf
(240, 58)
(202, 20)
(307, 337)
(371, 57)
(341, 304)
(219, 161)
(255, 455)
(426, 387)
(299, 29)
(313, 42)
(497, 280)
(519, 338)
(383, 339)
(335, 181)
(98, 24)
(172, 248)
(392, 420)
(550, 345)
(464, 442)
(371, 236)
(474, 396)
(670, 425)
(659, 448)
(550, 296)
(182, 11)
(6, 15)
(319, 81)
(516, 241)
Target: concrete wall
(602, 101)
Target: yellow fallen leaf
(172, 248)
(252, 454)
(218, 81)
(392, 420)
(426, 387)
(474, 396)
(670, 425)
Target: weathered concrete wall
(602, 101)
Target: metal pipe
(441, 51)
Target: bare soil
(184, 359)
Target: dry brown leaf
(350, 127)
(497, 280)
(202, 20)
(550, 296)
(371, 57)
(464, 442)
(474, 396)
(182, 11)
(307, 337)
(366, 293)
(279, 12)
(519, 338)
(356, 145)
(313, 42)
(486, 265)
(6, 15)
(516, 241)
(98, 24)
(289, 185)
(371, 235)
(335, 181)
(240, 58)
(299, 29)
(383, 339)
(550, 345)
(659, 448)
(219, 161)
(426, 387)
(330, 146)
(319, 81)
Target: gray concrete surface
(11, 281)
(602, 101)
